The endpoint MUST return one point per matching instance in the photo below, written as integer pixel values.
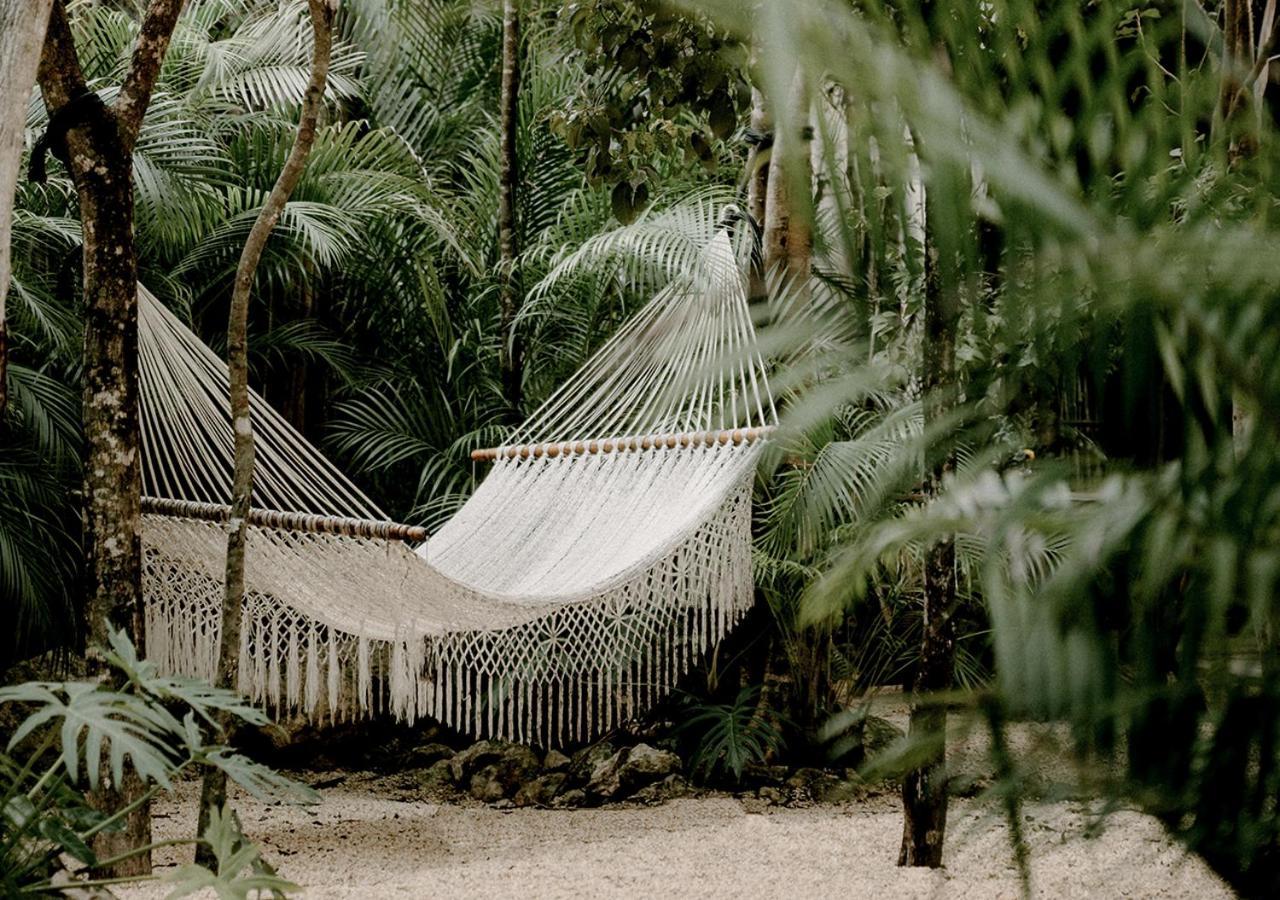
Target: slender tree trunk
(788, 234)
(1236, 52)
(1241, 55)
(757, 171)
(213, 792)
(1248, 42)
(924, 789)
(22, 27)
(96, 141)
(512, 362)
(758, 158)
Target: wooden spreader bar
(286, 521)
(624, 444)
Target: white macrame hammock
(608, 547)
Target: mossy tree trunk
(98, 149)
(213, 791)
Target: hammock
(608, 547)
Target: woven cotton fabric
(569, 593)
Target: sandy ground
(375, 836)
(370, 838)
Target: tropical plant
(728, 737)
(1102, 210)
(77, 734)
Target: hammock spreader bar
(625, 443)
(287, 521)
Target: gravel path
(370, 838)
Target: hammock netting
(567, 595)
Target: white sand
(370, 838)
(376, 836)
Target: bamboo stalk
(286, 521)
(624, 443)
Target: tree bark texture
(22, 27)
(98, 150)
(924, 789)
(511, 358)
(788, 234)
(213, 793)
(1249, 39)
(757, 173)
(758, 158)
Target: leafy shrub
(730, 736)
(160, 725)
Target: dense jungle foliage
(1089, 187)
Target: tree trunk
(1248, 42)
(213, 792)
(511, 358)
(788, 235)
(924, 789)
(96, 142)
(761, 133)
(22, 26)
(758, 158)
(1236, 53)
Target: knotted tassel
(335, 675)
(313, 671)
(364, 681)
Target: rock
(809, 785)
(569, 799)
(514, 760)
(428, 754)
(771, 795)
(645, 764)
(630, 769)
(542, 790)
(586, 760)
(878, 733)
(669, 788)
(753, 806)
(503, 804)
(844, 791)
(436, 777)
(555, 761)
(604, 782)
(487, 785)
